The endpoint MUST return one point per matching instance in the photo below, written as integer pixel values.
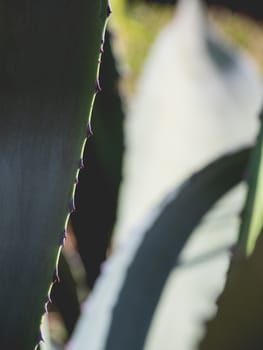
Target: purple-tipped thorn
(56, 276)
(89, 131)
(46, 308)
(63, 238)
(48, 299)
(102, 45)
(109, 10)
(97, 86)
(39, 338)
(72, 207)
(81, 163)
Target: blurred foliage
(243, 31)
(161, 246)
(250, 8)
(137, 23)
(135, 28)
(252, 219)
(238, 323)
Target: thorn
(55, 276)
(63, 238)
(109, 10)
(46, 308)
(97, 86)
(102, 45)
(89, 131)
(76, 181)
(49, 301)
(40, 338)
(81, 163)
(72, 207)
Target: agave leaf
(169, 141)
(119, 311)
(98, 182)
(239, 306)
(48, 66)
(252, 218)
(238, 323)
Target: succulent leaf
(48, 66)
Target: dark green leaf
(49, 54)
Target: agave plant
(189, 141)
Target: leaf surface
(48, 66)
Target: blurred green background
(135, 24)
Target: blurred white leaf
(188, 299)
(197, 98)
